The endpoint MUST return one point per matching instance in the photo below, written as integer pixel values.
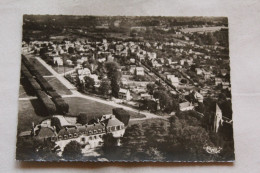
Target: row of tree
(54, 105)
(181, 139)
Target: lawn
(22, 92)
(61, 69)
(33, 111)
(78, 105)
(42, 70)
(25, 90)
(58, 86)
(29, 111)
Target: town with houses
(173, 72)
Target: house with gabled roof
(59, 131)
(174, 80)
(124, 94)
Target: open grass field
(25, 91)
(42, 70)
(22, 92)
(78, 105)
(61, 69)
(58, 86)
(33, 111)
(29, 111)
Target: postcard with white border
(125, 88)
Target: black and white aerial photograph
(125, 89)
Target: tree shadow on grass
(27, 88)
(39, 108)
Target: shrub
(44, 83)
(62, 106)
(34, 71)
(83, 118)
(122, 115)
(54, 94)
(25, 72)
(29, 66)
(72, 151)
(34, 84)
(46, 101)
(25, 61)
(23, 68)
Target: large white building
(58, 130)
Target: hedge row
(25, 72)
(61, 105)
(44, 83)
(30, 67)
(46, 101)
(27, 63)
(53, 94)
(29, 78)
(57, 103)
(34, 84)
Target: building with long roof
(59, 131)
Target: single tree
(122, 115)
(150, 88)
(70, 50)
(105, 87)
(72, 151)
(89, 82)
(114, 75)
(164, 99)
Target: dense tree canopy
(89, 82)
(72, 151)
(114, 75)
(105, 87)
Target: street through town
(75, 93)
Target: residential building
(225, 85)
(139, 71)
(59, 131)
(58, 61)
(198, 97)
(174, 80)
(206, 75)
(199, 71)
(124, 94)
(84, 72)
(218, 81)
(185, 106)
